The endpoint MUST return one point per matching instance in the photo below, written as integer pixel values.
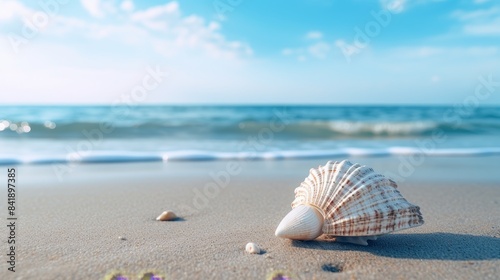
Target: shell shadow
(429, 246)
(178, 219)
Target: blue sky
(249, 52)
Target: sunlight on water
(38, 134)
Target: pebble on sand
(167, 216)
(252, 248)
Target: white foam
(195, 155)
(382, 128)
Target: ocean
(99, 134)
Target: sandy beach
(70, 228)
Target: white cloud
(103, 59)
(314, 35)
(156, 12)
(431, 52)
(161, 28)
(92, 60)
(127, 5)
(476, 14)
(287, 52)
(158, 17)
(486, 29)
(10, 9)
(394, 6)
(319, 50)
(398, 6)
(93, 7)
(425, 51)
(300, 53)
(482, 22)
(99, 8)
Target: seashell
(252, 248)
(167, 216)
(348, 202)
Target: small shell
(344, 200)
(252, 248)
(167, 216)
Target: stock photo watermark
(11, 218)
(121, 107)
(34, 24)
(223, 7)
(372, 29)
(454, 116)
(222, 178)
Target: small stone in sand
(252, 248)
(122, 238)
(151, 276)
(329, 267)
(167, 216)
(115, 275)
(280, 275)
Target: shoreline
(113, 157)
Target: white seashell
(348, 202)
(167, 216)
(252, 248)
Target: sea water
(54, 134)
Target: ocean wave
(194, 155)
(369, 129)
(299, 130)
(383, 128)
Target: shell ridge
(331, 180)
(331, 197)
(364, 189)
(380, 211)
(378, 204)
(381, 226)
(333, 208)
(354, 188)
(321, 187)
(329, 171)
(352, 211)
(317, 182)
(397, 219)
(325, 171)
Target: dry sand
(70, 228)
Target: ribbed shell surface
(356, 201)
